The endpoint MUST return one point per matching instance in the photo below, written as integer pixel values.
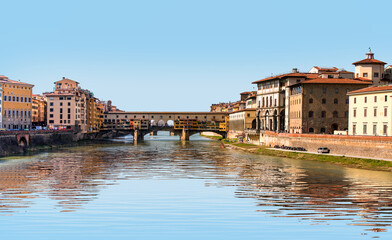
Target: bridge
(183, 124)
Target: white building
(370, 111)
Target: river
(167, 189)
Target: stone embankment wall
(17, 142)
(362, 146)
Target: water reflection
(310, 191)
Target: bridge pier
(153, 133)
(138, 136)
(185, 135)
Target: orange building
(16, 103)
(38, 110)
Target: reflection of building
(16, 103)
(371, 111)
(38, 110)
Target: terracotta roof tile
(372, 89)
(369, 61)
(335, 81)
(305, 75)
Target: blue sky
(183, 55)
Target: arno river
(165, 189)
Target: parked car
(323, 150)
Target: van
(323, 150)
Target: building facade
(66, 106)
(371, 69)
(241, 120)
(370, 111)
(39, 113)
(16, 103)
(272, 100)
(1, 107)
(321, 105)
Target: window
(336, 90)
(364, 74)
(374, 128)
(385, 111)
(347, 101)
(375, 112)
(69, 116)
(386, 98)
(51, 115)
(311, 130)
(51, 104)
(69, 104)
(365, 112)
(69, 111)
(385, 129)
(322, 130)
(365, 128)
(335, 114)
(311, 90)
(355, 100)
(365, 99)
(310, 100)
(61, 110)
(51, 121)
(354, 129)
(375, 74)
(323, 101)
(335, 101)
(375, 98)
(50, 109)
(310, 114)
(61, 104)
(324, 90)
(323, 114)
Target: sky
(183, 55)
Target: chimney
(295, 70)
(63, 78)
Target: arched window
(310, 100)
(323, 114)
(335, 114)
(310, 114)
(335, 101)
(323, 101)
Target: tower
(371, 69)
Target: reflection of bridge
(183, 124)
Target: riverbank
(354, 162)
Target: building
(1, 107)
(95, 114)
(39, 113)
(320, 105)
(370, 111)
(241, 120)
(273, 99)
(66, 106)
(371, 69)
(16, 103)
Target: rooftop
(372, 89)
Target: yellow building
(16, 101)
(95, 110)
(38, 110)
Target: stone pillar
(185, 135)
(153, 133)
(137, 136)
